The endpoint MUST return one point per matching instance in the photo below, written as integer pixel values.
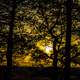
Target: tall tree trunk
(55, 60)
(10, 40)
(68, 39)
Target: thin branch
(58, 15)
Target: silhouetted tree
(10, 38)
(68, 38)
(42, 9)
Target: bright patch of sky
(48, 49)
(45, 48)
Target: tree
(11, 19)
(68, 39)
(42, 21)
(37, 21)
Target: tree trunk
(55, 60)
(68, 39)
(10, 40)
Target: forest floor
(35, 73)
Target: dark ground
(32, 73)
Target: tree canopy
(38, 25)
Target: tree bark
(68, 39)
(10, 40)
(55, 60)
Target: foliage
(37, 24)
